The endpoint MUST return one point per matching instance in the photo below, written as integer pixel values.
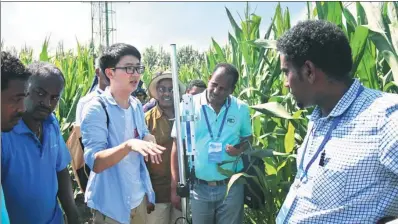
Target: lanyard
(336, 121)
(223, 120)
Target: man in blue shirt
(13, 80)
(347, 166)
(35, 158)
(221, 122)
(116, 140)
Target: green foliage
(278, 125)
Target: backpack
(76, 149)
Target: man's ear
(309, 71)
(109, 73)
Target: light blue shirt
(113, 192)
(29, 172)
(358, 182)
(237, 125)
(83, 101)
(4, 213)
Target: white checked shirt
(359, 180)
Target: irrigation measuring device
(184, 123)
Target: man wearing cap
(194, 87)
(160, 121)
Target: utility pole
(107, 24)
(102, 25)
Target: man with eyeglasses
(116, 141)
(160, 121)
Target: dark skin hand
(236, 150)
(149, 206)
(65, 195)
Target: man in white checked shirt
(348, 162)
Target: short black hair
(45, 69)
(320, 42)
(196, 82)
(112, 55)
(229, 69)
(11, 69)
(142, 91)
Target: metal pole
(92, 28)
(176, 95)
(106, 24)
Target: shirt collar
(203, 100)
(22, 128)
(99, 90)
(158, 111)
(108, 96)
(343, 104)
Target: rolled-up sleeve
(94, 131)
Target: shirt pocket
(329, 187)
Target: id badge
(215, 152)
(287, 204)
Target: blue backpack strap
(101, 101)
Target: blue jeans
(209, 205)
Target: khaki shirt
(160, 126)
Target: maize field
(278, 124)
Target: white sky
(141, 24)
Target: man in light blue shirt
(222, 121)
(13, 81)
(348, 163)
(116, 140)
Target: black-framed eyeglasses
(163, 89)
(132, 69)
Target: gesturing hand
(145, 148)
(157, 158)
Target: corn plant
(278, 125)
